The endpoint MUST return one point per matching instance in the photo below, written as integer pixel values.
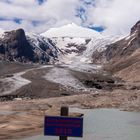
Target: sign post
(64, 112)
(63, 126)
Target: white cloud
(117, 16)
(51, 13)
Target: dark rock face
(103, 84)
(15, 46)
(24, 48)
(122, 48)
(92, 84)
(135, 28)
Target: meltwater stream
(105, 124)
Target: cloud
(115, 16)
(37, 15)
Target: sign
(63, 126)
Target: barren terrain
(22, 111)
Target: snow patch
(96, 44)
(62, 42)
(1, 32)
(84, 67)
(62, 76)
(131, 36)
(11, 84)
(130, 41)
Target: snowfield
(63, 77)
(11, 84)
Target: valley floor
(22, 111)
(20, 119)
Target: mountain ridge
(64, 49)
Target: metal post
(64, 112)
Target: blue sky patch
(97, 28)
(41, 1)
(17, 20)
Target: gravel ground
(24, 117)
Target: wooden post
(64, 112)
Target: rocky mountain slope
(16, 46)
(123, 56)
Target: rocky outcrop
(136, 28)
(16, 46)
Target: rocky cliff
(16, 46)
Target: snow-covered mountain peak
(72, 30)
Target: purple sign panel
(63, 126)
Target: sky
(111, 17)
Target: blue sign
(63, 126)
